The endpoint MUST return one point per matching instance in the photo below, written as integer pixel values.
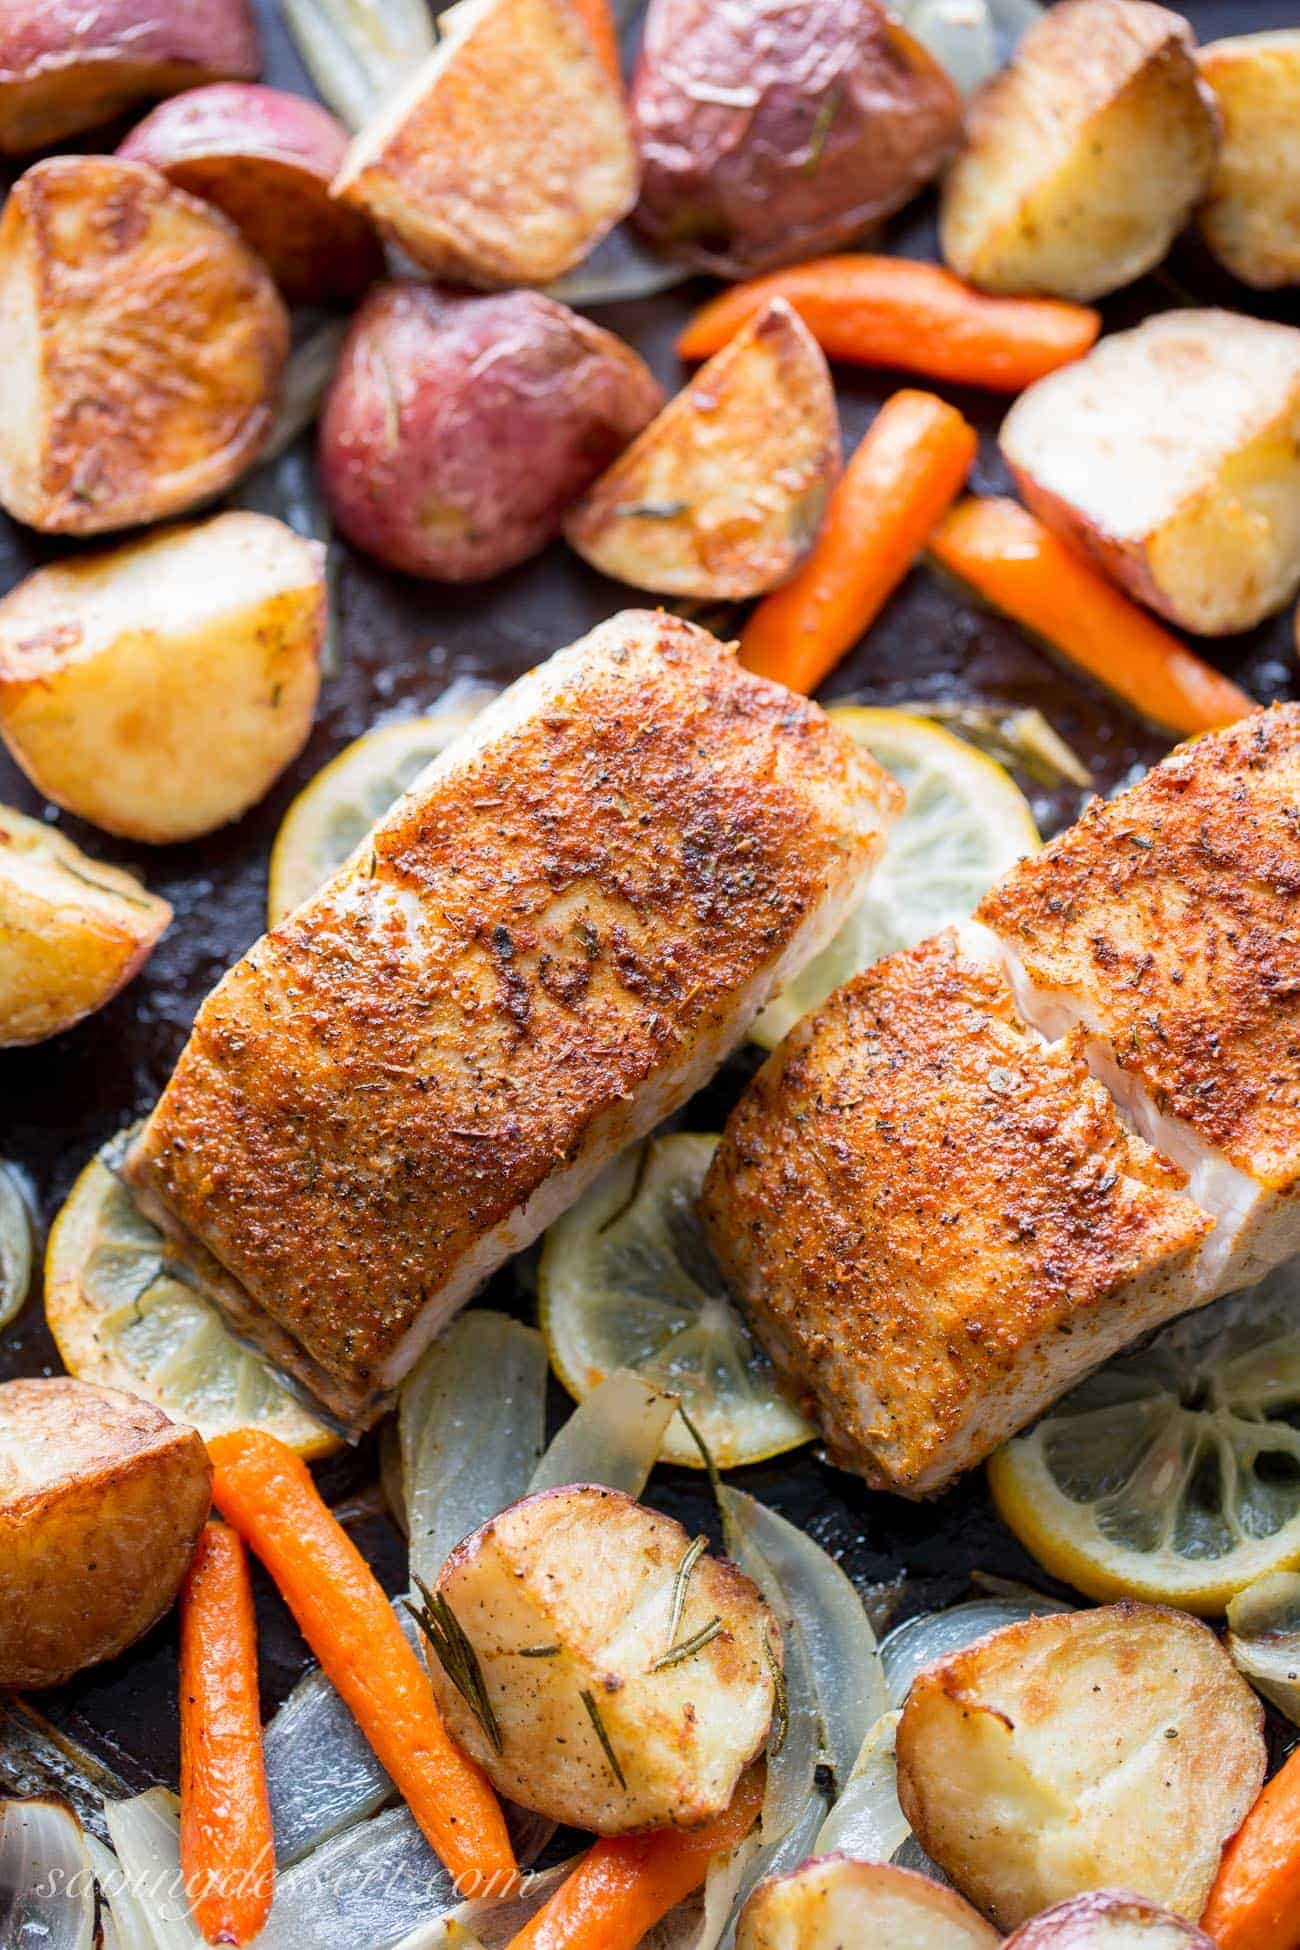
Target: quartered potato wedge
(142, 345)
(1084, 157)
(75, 931)
(835, 1902)
(1116, 1748)
(101, 1500)
(508, 155)
(1251, 214)
(723, 494)
(1171, 454)
(160, 689)
(627, 1677)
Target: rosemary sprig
(781, 1704)
(706, 1457)
(690, 1558)
(457, 1658)
(593, 1714)
(688, 1647)
(538, 1651)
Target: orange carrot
(227, 1852)
(1019, 566)
(266, 1492)
(894, 311)
(913, 460)
(621, 1888)
(599, 23)
(1255, 1901)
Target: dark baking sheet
(401, 641)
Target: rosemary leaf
(457, 1658)
(690, 1557)
(538, 1651)
(706, 1457)
(781, 1704)
(688, 1647)
(593, 1714)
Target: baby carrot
(917, 317)
(912, 461)
(1018, 565)
(266, 1492)
(227, 1852)
(621, 1888)
(1255, 1901)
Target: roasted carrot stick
(1019, 566)
(621, 1888)
(894, 311)
(266, 1492)
(599, 23)
(912, 461)
(1255, 1901)
(227, 1851)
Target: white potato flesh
(101, 1502)
(509, 154)
(160, 689)
(1084, 157)
(72, 933)
(1115, 1748)
(1251, 215)
(1171, 454)
(833, 1903)
(723, 494)
(1108, 1919)
(570, 1594)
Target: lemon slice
(627, 1280)
(120, 1317)
(15, 1244)
(964, 823)
(331, 816)
(1173, 1473)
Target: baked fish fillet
(1166, 924)
(547, 945)
(936, 1221)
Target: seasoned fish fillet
(544, 948)
(936, 1221)
(1167, 924)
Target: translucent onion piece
(830, 1647)
(613, 1438)
(37, 1760)
(620, 269)
(321, 1772)
(358, 52)
(16, 1244)
(371, 1886)
(1264, 1638)
(867, 1821)
(145, 1834)
(960, 35)
(489, 1923)
(129, 1919)
(934, 1634)
(47, 1889)
(306, 378)
(1011, 19)
(774, 1858)
(471, 1424)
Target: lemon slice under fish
(331, 816)
(1173, 1473)
(626, 1280)
(964, 823)
(120, 1317)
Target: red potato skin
(457, 430)
(1089, 1922)
(67, 65)
(267, 159)
(828, 116)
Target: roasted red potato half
(1108, 1919)
(771, 132)
(67, 66)
(142, 344)
(267, 159)
(101, 1501)
(457, 430)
